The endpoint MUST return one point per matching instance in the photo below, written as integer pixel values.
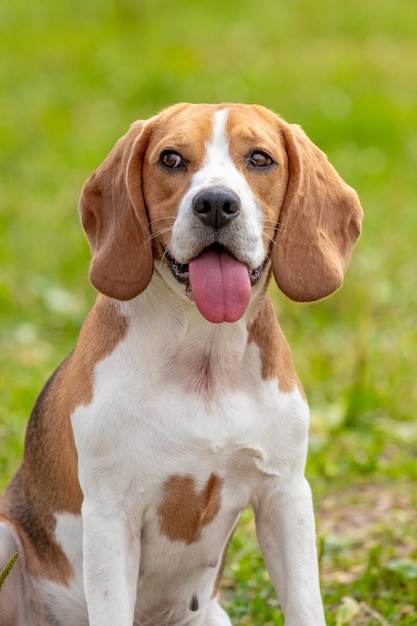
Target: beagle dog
(180, 405)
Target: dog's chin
(181, 271)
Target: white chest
(173, 401)
(181, 432)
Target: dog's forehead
(194, 124)
(252, 122)
(190, 123)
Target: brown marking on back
(277, 361)
(47, 480)
(184, 511)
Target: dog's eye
(172, 160)
(260, 159)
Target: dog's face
(213, 184)
(218, 193)
(216, 177)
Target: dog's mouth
(219, 284)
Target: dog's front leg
(286, 533)
(111, 565)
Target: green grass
(74, 75)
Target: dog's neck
(181, 346)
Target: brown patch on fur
(277, 361)
(184, 511)
(47, 480)
(103, 329)
(115, 220)
(319, 223)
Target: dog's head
(218, 193)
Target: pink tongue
(220, 285)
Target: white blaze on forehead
(218, 149)
(218, 166)
(244, 236)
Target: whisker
(156, 234)
(269, 222)
(273, 241)
(270, 238)
(162, 231)
(163, 217)
(162, 257)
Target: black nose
(216, 207)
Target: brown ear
(318, 225)
(114, 217)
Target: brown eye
(260, 159)
(172, 160)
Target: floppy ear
(114, 217)
(319, 223)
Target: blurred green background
(74, 75)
